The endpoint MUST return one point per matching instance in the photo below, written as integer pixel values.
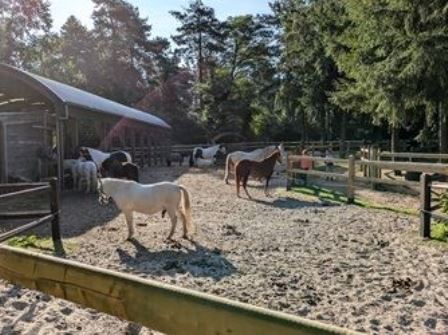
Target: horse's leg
(237, 183)
(88, 181)
(173, 218)
(267, 185)
(184, 224)
(130, 223)
(245, 179)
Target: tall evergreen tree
(124, 50)
(20, 22)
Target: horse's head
(84, 152)
(222, 149)
(278, 155)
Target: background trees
(318, 69)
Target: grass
(439, 231)
(333, 196)
(37, 243)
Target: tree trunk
(443, 145)
(343, 134)
(304, 130)
(394, 143)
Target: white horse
(206, 153)
(255, 155)
(148, 199)
(83, 172)
(99, 156)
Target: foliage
(317, 69)
(31, 241)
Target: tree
(123, 50)
(20, 21)
(393, 54)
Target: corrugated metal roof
(74, 96)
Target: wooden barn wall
(103, 131)
(22, 138)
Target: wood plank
(391, 182)
(413, 155)
(25, 227)
(405, 166)
(162, 307)
(22, 192)
(319, 173)
(24, 215)
(296, 158)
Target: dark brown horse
(256, 169)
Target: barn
(43, 121)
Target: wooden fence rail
(42, 217)
(351, 178)
(165, 308)
(413, 155)
(427, 212)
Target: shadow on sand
(289, 203)
(197, 260)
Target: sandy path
(357, 268)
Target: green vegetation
(318, 69)
(439, 231)
(36, 242)
(333, 196)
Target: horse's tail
(227, 171)
(186, 208)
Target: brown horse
(256, 169)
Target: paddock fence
(348, 174)
(427, 210)
(161, 307)
(18, 193)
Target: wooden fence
(427, 211)
(293, 168)
(161, 307)
(10, 191)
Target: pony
(255, 155)
(148, 199)
(83, 172)
(100, 157)
(126, 170)
(206, 153)
(257, 169)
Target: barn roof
(73, 96)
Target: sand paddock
(362, 269)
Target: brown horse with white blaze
(256, 169)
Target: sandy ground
(362, 269)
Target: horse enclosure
(43, 122)
(20, 193)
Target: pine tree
(20, 22)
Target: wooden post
(351, 180)
(288, 174)
(54, 208)
(132, 130)
(425, 205)
(373, 170)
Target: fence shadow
(196, 260)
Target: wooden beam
(22, 192)
(417, 167)
(24, 215)
(25, 227)
(165, 308)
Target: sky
(157, 11)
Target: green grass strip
(333, 196)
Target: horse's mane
(274, 153)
